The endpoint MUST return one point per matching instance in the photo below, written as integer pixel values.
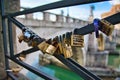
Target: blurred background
(99, 55)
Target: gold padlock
(32, 43)
(106, 27)
(60, 48)
(52, 48)
(77, 40)
(101, 43)
(66, 47)
(67, 51)
(20, 38)
(43, 46)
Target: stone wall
(10, 6)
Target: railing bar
(19, 25)
(4, 33)
(85, 70)
(11, 75)
(10, 38)
(74, 68)
(32, 69)
(113, 19)
(59, 4)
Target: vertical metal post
(4, 33)
(10, 38)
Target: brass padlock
(32, 43)
(77, 40)
(101, 43)
(43, 46)
(52, 48)
(67, 51)
(20, 38)
(60, 48)
(106, 27)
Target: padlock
(43, 46)
(27, 36)
(77, 40)
(67, 51)
(52, 48)
(20, 38)
(101, 43)
(68, 38)
(32, 43)
(106, 27)
(60, 49)
(66, 47)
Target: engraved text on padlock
(77, 40)
(106, 27)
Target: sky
(80, 11)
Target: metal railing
(81, 71)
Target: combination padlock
(106, 27)
(77, 40)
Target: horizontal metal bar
(27, 51)
(32, 69)
(63, 3)
(12, 76)
(85, 70)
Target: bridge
(59, 21)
